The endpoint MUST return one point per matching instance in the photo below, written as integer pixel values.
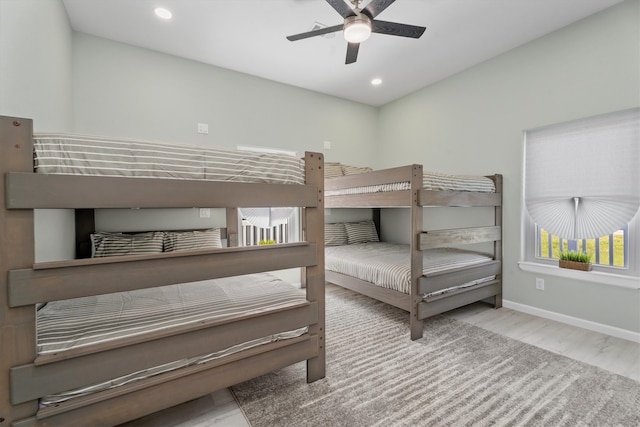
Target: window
(582, 191)
(611, 250)
(253, 235)
(268, 225)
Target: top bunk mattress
(69, 154)
(431, 181)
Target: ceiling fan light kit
(360, 23)
(357, 28)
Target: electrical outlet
(205, 213)
(327, 145)
(539, 284)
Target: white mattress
(80, 322)
(388, 265)
(431, 181)
(69, 154)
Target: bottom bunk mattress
(81, 322)
(388, 264)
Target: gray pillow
(361, 232)
(106, 244)
(189, 240)
(335, 234)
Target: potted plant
(575, 260)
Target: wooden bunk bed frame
(416, 198)
(26, 376)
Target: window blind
(582, 178)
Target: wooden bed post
(85, 226)
(232, 227)
(17, 332)
(416, 325)
(497, 245)
(314, 275)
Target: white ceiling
(249, 36)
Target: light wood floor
(612, 354)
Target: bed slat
(43, 191)
(452, 237)
(388, 296)
(29, 286)
(427, 309)
(442, 280)
(370, 200)
(386, 176)
(458, 198)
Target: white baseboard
(574, 321)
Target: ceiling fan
(360, 23)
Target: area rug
(456, 375)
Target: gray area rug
(456, 375)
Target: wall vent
(318, 26)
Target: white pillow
(332, 170)
(352, 170)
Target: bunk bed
(415, 282)
(239, 336)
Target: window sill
(629, 282)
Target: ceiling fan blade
(352, 53)
(341, 7)
(395, 29)
(314, 33)
(374, 8)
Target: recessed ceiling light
(163, 13)
(376, 82)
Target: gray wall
(36, 82)
(128, 91)
(473, 123)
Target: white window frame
(615, 276)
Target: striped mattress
(70, 154)
(431, 181)
(388, 264)
(82, 322)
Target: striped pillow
(352, 170)
(335, 234)
(189, 240)
(332, 170)
(115, 244)
(361, 232)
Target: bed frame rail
(386, 176)
(43, 191)
(459, 299)
(155, 394)
(442, 280)
(68, 279)
(459, 236)
(458, 198)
